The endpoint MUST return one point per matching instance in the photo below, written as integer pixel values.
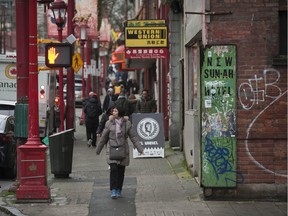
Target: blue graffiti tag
(218, 158)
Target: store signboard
(139, 53)
(146, 36)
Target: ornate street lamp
(82, 24)
(33, 179)
(59, 9)
(95, 46)
(82, 43)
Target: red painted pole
(22, 60)
(33, 181)
(88, 63)
(83, 77)
(82, 120)
(70, 102)
(22, 50)
(33, 123)
(61, 128)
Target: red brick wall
(262, 110)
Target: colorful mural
(218, 102)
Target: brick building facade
(223, 92)
(256, 29)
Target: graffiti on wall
(218, 118)
(255, 91)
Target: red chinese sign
(137, 53)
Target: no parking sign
(150, 131)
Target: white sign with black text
(149, 128)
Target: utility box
(61, 153)
(21, 120)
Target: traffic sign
(77, 62)
(58, 55)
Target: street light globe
(59, 9)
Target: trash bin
(61, 153)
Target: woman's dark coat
(109, 138)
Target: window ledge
(279, 60)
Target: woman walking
(117, 129)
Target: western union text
(146, 34)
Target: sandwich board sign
(150, 130)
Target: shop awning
(119, 55)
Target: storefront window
(193, 68)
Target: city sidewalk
(152, 186)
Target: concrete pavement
(152, 187)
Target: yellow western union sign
(146, 36)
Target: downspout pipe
(204, 32)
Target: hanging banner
(149, 128)
(218, 117)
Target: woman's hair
(132, 96)
(145, 90)
(121, 111)
(111, 107)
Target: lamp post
(70, 102)
(95, 46)
(59, 9)
(33, 179)
(82, 43)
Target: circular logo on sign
(148, 128)
(11, 71)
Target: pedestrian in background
(133, 101)
(146, 104)
(117, 89)
(109, 99)
(134, 87)
(104, 119)
(123, 102)
(92, 110)
(117, 129)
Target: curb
(10, 211)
